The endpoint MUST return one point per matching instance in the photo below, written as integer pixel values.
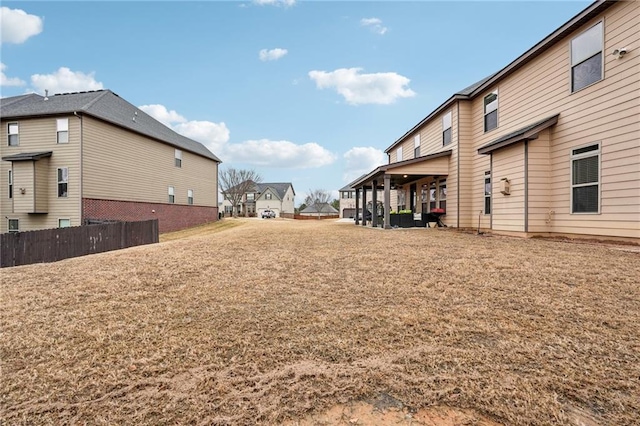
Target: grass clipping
(274, 320)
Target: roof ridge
(97, 98)
(14, 99)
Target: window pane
(585, 199)
(63, 137)
(586, 44)
(416, 141)
(63, 174)
(399, 154)
(64, 223)
(446, 137)
(63, 124)
(585, 149)
(446, 121)
(416, 152)
(491, 121)
(587, 72)
(585, 170)
(13, 225)
(487, 205)
(491, 102)
(13, 128)
(487, 187)
(62, 190)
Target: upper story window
(63, 181)
(491, 111)
(12, 132)
(171, 191)
(399, 154)
(63, 130)
(585, 179)
(178, 158)
(446, 129)
(586, 58)
(189, 196)
(10, 183)
(251, 196)
(268, 196)
(416, 146)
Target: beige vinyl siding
(39, 135)
(23, 178)
(122, 165)
(288, 202)
(607, 112)
(538, 172)
(436, 166)
(507, 211)
(42, 188)
(464, 166)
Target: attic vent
(46, 95)
(135, 114)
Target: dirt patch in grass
(276, 321)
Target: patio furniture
(434, 215)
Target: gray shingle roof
(102, 104)
(324, 208)
(279, 188)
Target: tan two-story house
(278, 197)
(79, 158)
(548, 145)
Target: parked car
(268, 214)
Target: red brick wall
(171, 217)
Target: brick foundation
(171, 217)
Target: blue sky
(308, 92)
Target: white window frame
(10, 186)
(171, 192)
(15, 126)
(399, 154)
(588, 154)
(442, 183)
(433, 194)
(582, 60)
(416, 146)
(190, 196)
(62, 130)
(446, 125)
(9, 221)
(268, 196)
(177, 155)
(68, 225)
(485, 112)
(63, 180)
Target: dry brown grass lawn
(275, 320)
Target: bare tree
(235, 183)
(319, 198)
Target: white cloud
(64, 80)
(374, 24)
(361, 160)
(285, 3)
(273, 54)
(9, 81)
(16, 25)
(357, 88)
(268, 153)
(160, 113)
(213, 135)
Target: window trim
(63, 181)
(10, 184)
(487, 176)
(581, 156)
(58, 131)
(171, 192)
(416, 146)
(190, 197)
(444, 129)
(572, 66)
(177, 156)
(11, 219)
(399, 154)
(484, 110)
(64, 218)
(9, 134)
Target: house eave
(526, 133)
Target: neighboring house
(323, 209)
(548, 145)
(78, 158)
(348, 200)
(279, 197)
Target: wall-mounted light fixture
(23, 191)
(619, 53)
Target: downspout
(458, 162)
(82, 218)
(491, 197)
(526, 185)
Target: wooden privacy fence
(315, 217)
(50, 245)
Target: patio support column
(364, 206)
(374, 203)
(357, 206)
(387, 201)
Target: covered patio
(424, 176)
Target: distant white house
(279, 197)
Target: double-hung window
(491, 111)
(268, 196)
(63, 181)
(585, 179)
(446, 129)
(399, 154)
(432, 195)
(63, 130)
(586, 58)
(416, 146)
(442, 194)
(189, 196)
(487, 192)
(178, 158)
(13, 134)
(10, 183)
(172, 195)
